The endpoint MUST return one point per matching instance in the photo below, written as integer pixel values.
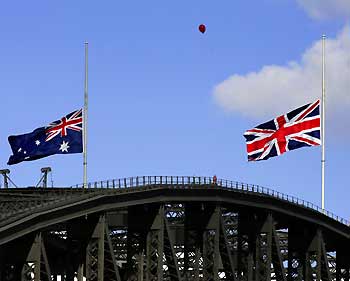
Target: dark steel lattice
(168, 229)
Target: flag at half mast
(298, 128)
(63, 136)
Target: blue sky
(164, 98)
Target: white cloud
(277, 89)
(326, 9)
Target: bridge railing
(186, 181)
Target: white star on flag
(37, 142)
(64, 146)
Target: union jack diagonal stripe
(298, 128)
(72, 121)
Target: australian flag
(60, 137)
(298, 128)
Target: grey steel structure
(168, 228)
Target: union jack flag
(298, 128)
(72, 121)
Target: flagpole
(85, 116)
(323, 117)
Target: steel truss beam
(36, 266)
(100, 258)
(307, 256)
(95, 253)
(259, 253)
(227, 252)
(169, 252)
(277, 258)
(155, 248)
(193, 241)
(111, 269)
(343, 264)
(160, 251)
(211, 255)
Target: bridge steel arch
(168, 228)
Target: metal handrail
(142, 181)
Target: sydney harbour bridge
(171, 228)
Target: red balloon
(201, 28)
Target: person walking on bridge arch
(215, 179)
